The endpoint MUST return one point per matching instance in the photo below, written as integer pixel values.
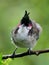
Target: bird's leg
(29, 50)
(14, 52)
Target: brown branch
(25, 54)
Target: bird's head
(25, 21)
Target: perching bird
(27, 33)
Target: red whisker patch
(30, 25)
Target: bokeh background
(11, 12)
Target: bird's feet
(29, 51)
(13, 54)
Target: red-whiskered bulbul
(27, 33)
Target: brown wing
(33, 31)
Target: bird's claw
(29, 51)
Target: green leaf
(6, 62)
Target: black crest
(25, 20)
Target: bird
(26, 33)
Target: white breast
(22, 39)
(22, 33)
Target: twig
(25, 54)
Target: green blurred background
(11, 12)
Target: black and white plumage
(27, 33)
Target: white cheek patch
(29, 27)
